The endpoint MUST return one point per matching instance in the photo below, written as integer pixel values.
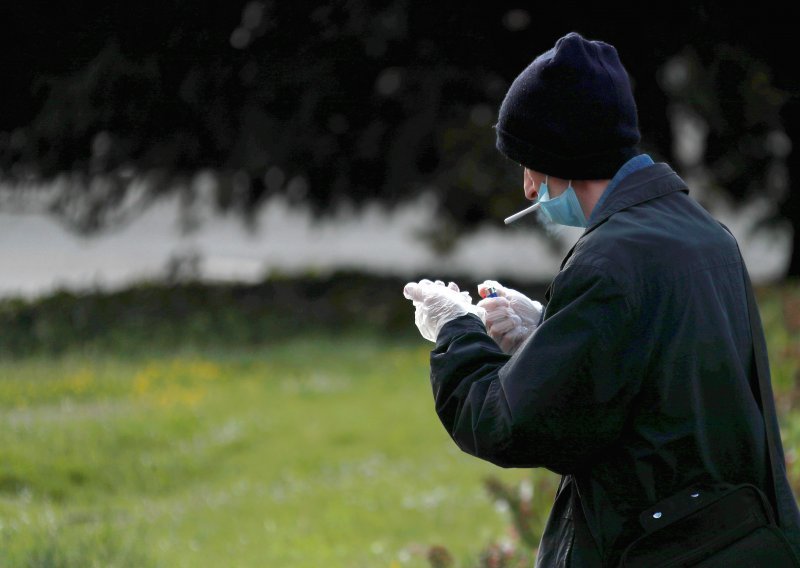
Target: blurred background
(207, 214)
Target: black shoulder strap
(764, 392)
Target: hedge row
(161, 316)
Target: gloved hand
(511, 317)
(437, 304)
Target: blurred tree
(360, 100)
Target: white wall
(38, 255)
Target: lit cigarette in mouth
(522, 213)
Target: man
(635, 381)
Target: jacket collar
(635, 163)
(637, 187)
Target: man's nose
(531, 192)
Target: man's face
(533, 179)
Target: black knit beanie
(571, 113)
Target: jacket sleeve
(561, 398)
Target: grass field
(318, 451)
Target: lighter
(489, 292)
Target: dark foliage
(363, 99)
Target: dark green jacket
(635, 385)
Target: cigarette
(522, 213)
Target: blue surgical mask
(564, 209)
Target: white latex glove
(511, 317)
(437, 304)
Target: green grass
(316, 452)
(321, 450)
